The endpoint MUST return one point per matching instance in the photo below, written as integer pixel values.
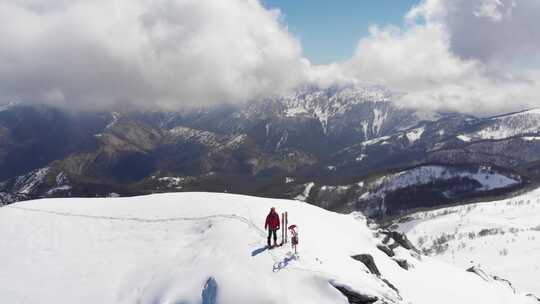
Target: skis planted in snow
(284, 223)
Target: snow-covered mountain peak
(210, 248)
(331, 101)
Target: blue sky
(330, 30)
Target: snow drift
(209, 248)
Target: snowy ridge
(209, 139)
(204, 137)
(522, 123)
(502, 236)
(325, 104)
(198, 247)
(369, 110)
(427, 174)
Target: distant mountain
(337, 147)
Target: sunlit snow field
(503, 236)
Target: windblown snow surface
(502, 236)
(208, 248)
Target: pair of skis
(284, 223)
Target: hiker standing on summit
(272, 224)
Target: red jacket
(272, 221)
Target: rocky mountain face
(343, 148)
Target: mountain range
(342, 148)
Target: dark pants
(270, 232)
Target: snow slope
(526, 122)
(208, 248)
(502, 236)
(487, 179)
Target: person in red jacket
(272, 224)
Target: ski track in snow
(143, 220)
(171, 219)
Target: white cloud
(166, 53)
(475, 56)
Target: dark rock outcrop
(481, 273)
(368, 260)
(210, 292)
(391, 285)
(505, 281)
(403, 263)
(530, 295)
(400, 239)
(389, 252)
(355, 297)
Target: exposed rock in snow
(403, 264)
(355, 297)
(398, 238)
(389, 252)
(367, 260)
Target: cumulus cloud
(475, 56)
(163, 53)
(488, 30)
